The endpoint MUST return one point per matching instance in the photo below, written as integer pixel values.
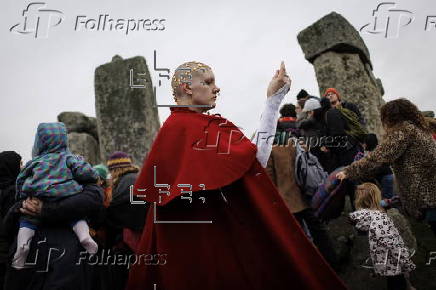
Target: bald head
(184, 73)
(193, 85)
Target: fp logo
(37, 20)
(387, 20)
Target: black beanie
(302, 94)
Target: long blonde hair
(368, 196)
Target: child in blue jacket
(53, 173)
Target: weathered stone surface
(429, 114)
(92, 129)
(380, 86)
(79, 123)
(85, 145)
(127, 119)
(332, 33)
(354, 82)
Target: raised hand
(279, 79)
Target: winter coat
(281, 170)
(53, 172)
(344, 147)
(58, 254)
(315, 134)
(389, 255)
(411, 152)
(122, 213)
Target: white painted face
(203, 89)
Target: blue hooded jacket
(54, 171)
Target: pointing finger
(282, 70)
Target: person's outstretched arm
(392, 148)
(264, 136)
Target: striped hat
(119, 159)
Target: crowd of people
(95, 219)
(236, 215)
(397, 174)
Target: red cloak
(253, 242)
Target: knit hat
(302, 94)
(332, 90)
(311, 105)
(119, 159)
(101, 170)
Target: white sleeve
(264, 135)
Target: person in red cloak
(215, 219)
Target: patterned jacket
(53, 172)
(388, 252)
(411, 152)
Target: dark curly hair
(400, 110)
(288, 110)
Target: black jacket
(344, 147)
(121, 213)
(315, 133)
(55, 248)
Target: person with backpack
(344, 127)
(336, 102)
(288, 175)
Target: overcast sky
(243, 41)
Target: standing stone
(342, 61)
(82, 135)
(84, 145)
(79, 123)
(127, 118)
(428, 114)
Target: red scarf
(287, 119)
